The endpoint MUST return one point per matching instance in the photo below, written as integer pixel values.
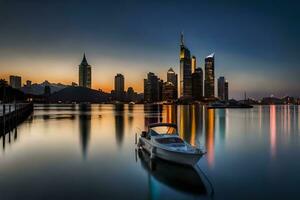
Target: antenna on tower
(181, 38)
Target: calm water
(67, 152)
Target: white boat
(162, 141)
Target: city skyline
(257, 52)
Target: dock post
(9, 117)
(3, 118)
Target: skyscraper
(119, 87)
(222, 88)
(152, 88)
(28, 83)
(185, 71)
(209, 82)
(226, 91)
(15, 82)
(194, 64)
(85, 73)
(172, 78)
(197, 84)
(169, 91)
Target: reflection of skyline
(222, 122)
(152, 114)
(210, 135)
(273, 129)
(119, 123)
(84, 127)
(170, 113)
(130, 116)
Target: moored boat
(162, 140)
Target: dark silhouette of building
(226, 91)
(185, 71)
(15, 82)
(197, 84)
(169, 91)
(8, 94)
(85, 73)
(28, 83)
(131, 95)
(152, 88)
(47, 91)
(222, 88)
(172, 77)
(119, 87)
(209, 82)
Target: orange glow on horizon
(106, 87)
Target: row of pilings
(12, 115)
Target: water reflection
(7, 137)
(210, 135)
(152, 114)
(130, 116)
(180, 178)
(222, 122)
(119, 123)
(84, 127)
(170, 114)
(273, 129)
(237, 140)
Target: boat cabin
(160, 129)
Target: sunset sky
(256, 45)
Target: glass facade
(210, 76)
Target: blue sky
(256, 43)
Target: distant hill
(38, 89)
(79, 94)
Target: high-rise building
(222, 88)
(169, 91)
(209, 83)
(28, 83)
(173, 78)
(131, 95)
(194, 64)
(85, 73)
(197, 84)
(152, 88)
(185, 71)
(226, 91)
(15, 82)
(119, 87)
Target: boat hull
(171, 156)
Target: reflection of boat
(181, 178)
(162, 140)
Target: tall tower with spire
(85, 73)
(209, 82)
(185, 70)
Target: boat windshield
(163, 130)
(170, 140)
